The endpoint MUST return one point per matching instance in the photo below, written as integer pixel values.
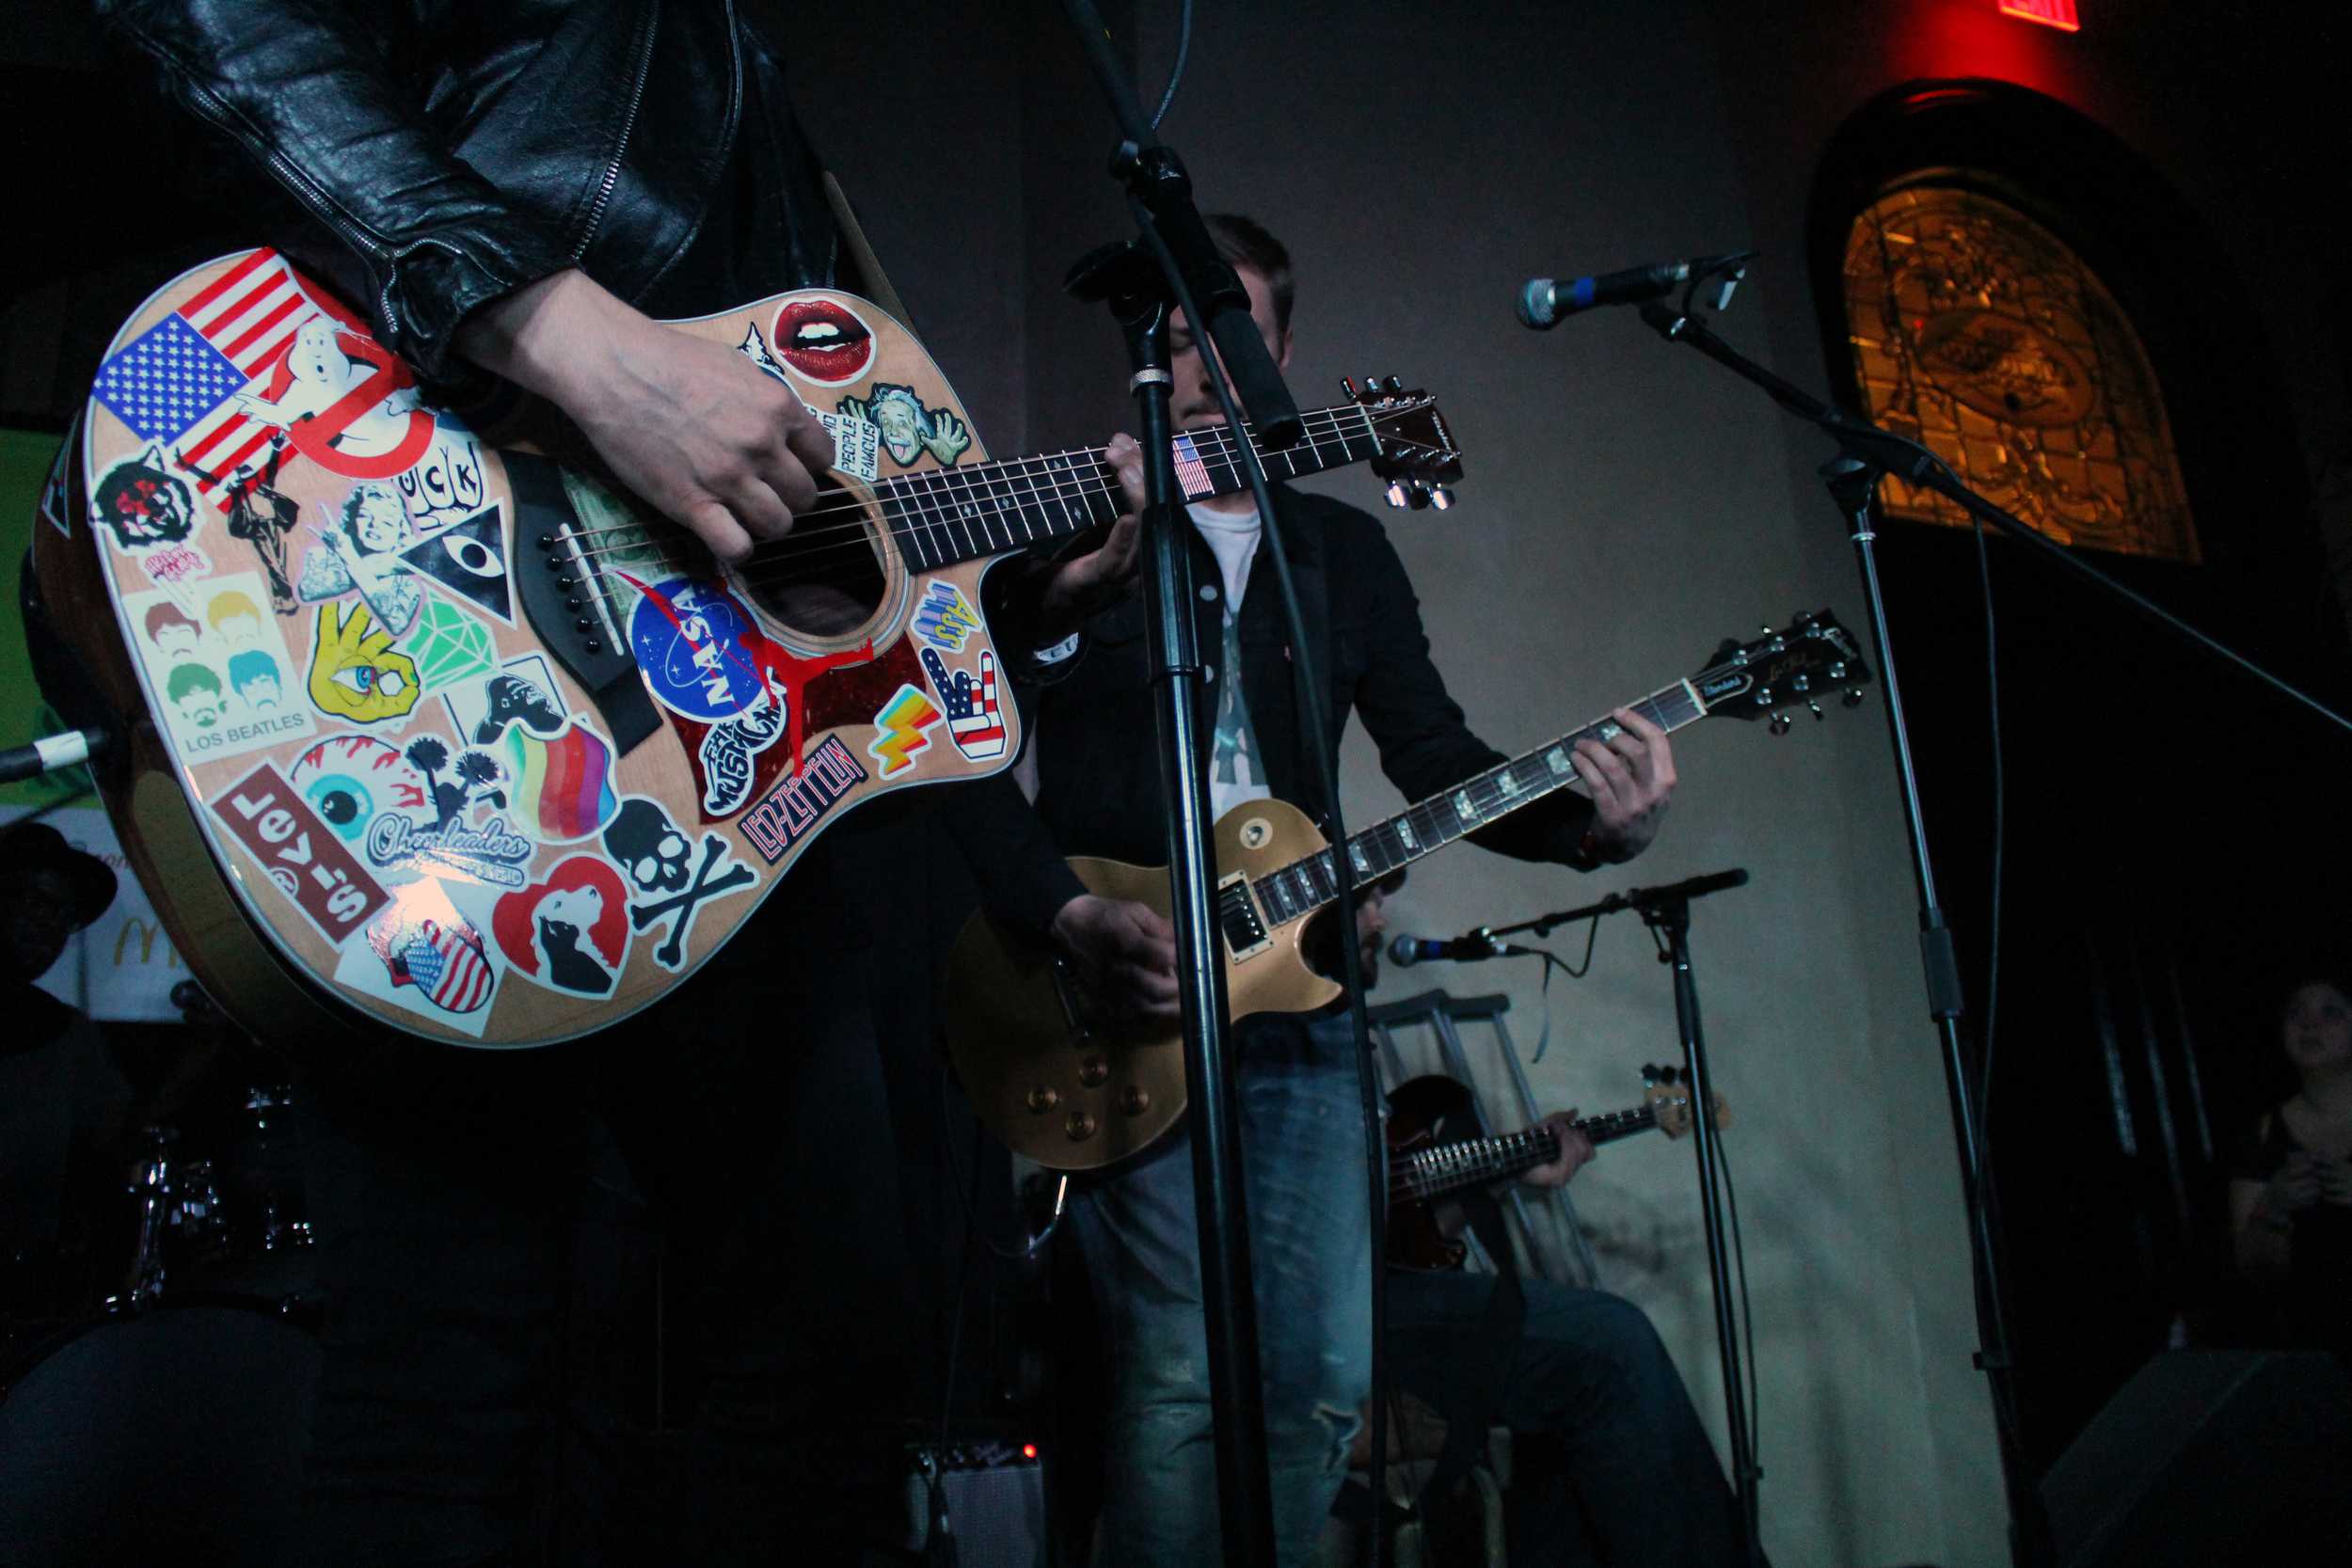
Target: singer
(1099, 794)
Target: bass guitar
(1058, 1084)
(1421, 1169)
(422, 729)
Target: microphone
(1405, 952)
(1544, 302)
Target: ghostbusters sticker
(218, 664)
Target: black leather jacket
(441, 153)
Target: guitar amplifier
(991, 1496)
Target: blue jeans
(1304, 1167)
(1642, 1485)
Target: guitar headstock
(1803, 663)
(1418, 456)
(1669, 1099)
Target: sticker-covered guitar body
(419, 729)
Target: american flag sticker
(425, 957)
(976, 719)
(174, 383)
(1189, 472)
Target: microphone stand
(1865, 453)
(1666, 911)
(1160, 198)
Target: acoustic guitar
(1049, 1076)
(1421, 1169)
(422, 729)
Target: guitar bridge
(1237, 917)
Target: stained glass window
(1979, 333)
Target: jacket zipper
(306, 190)
(628, 127)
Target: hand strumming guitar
(695, 430)
(1125, 957)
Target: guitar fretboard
(1304, 886)
(1427, 1172)
(941, 517)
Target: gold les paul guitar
(420, 730)
(1058, 1085)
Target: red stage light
(1028, 1450)
(2050, 13)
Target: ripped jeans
(1304, 1173)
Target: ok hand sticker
(356, 674)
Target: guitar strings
(929, 500)
(924, 501)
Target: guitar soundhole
(826, 579)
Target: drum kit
(155, 1406)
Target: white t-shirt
(1235, 771)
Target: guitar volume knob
(1093, 1071)
(1135, 1099)
(1080, 1127)
(1044, 1099)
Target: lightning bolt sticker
(904, 724)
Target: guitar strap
(873, 283)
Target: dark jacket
(1098, 753)
(441, 153)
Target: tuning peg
(1417, 496)
(1779, 724)
(1803, 617)
(1649, 1072)
(1347, 385)
(1371, 386)
(1837, 671)
(1397, 494)
(1440, 498)
(1852, 697)
(1393, 385)
(1816, 708)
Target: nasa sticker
(699, 650)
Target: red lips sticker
(823, 341)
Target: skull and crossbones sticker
(670, 881)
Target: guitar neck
(1304, 886)
(942, 516)
(1427, 1172)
